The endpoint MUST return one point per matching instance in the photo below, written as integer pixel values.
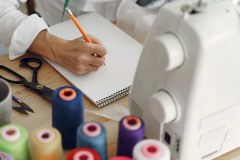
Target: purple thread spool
(131, 131)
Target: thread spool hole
(92, 128)
(45, 136)
(152, 149)
(68, 93)
(132, 122)
(11, 132)
(83, 157)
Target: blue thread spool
(131, 131)
(67, 113)
(93, 135)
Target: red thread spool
(83, 154)
(120, 158)
(67, 94)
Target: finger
(92, 68)
(97, 50)
(95, 39)
(97, 61)
(81, 40)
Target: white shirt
(51, 10)
(17, 30)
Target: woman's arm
(21, 33)
(75, 55)
(18, 30)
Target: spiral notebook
(112, 81)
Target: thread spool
(14, 141)
(67, 113)
(93, 135)
(151, 149)
(46, 143)
(5, 156)
(5, 102)
(121, 158)
(131, 131)
(83, 154)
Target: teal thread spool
(93, 135)
(14, 141)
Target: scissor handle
(21, 78)
(25, 63)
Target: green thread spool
(14, 141)
(46, 144)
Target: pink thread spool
(150, 149)
(67, 94)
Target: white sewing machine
(187, 84)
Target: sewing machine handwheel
(168, 51)
(163, 107)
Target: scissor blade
(47, 93)
(26, 107)
(19, 109)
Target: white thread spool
(150, 149)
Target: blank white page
(102, 87)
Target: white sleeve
(18, 30)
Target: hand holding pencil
(86, 38)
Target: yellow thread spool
(46, 143)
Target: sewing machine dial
(169, 52)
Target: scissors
(23, 108)
(34, 85)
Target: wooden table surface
(49, 77)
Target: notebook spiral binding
(113, 97)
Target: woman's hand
(75, 55)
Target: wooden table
(42, 116)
